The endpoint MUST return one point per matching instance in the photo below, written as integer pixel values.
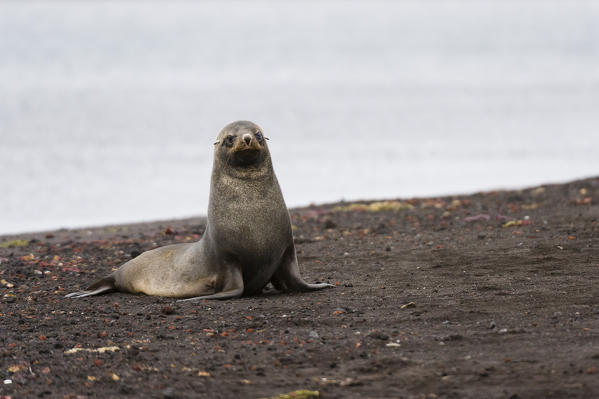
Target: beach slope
(487, 295)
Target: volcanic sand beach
(488, 295)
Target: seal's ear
(216, 142)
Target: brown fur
(248, 241)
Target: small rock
(313, 334)
(167, 310)
(492, 325)
(329, 224)
(378, 335)
(169, 393)
(452, 337)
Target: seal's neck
(261, 171)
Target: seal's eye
(229, 140)
(259, 136)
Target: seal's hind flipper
(99, 287)
(236, 293)
(83, 294)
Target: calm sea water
(108, 110)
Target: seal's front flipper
(99, 287)
(233, 287)
(288, 278)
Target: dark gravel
(492, 295)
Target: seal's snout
(247, 138)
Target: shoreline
(111, 228)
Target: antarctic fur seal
(247, 242)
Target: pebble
(313, 334)
(329, 224)
(169, 392)
(6, 382)
(378, 335)
(167, 310)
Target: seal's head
(242, 144)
